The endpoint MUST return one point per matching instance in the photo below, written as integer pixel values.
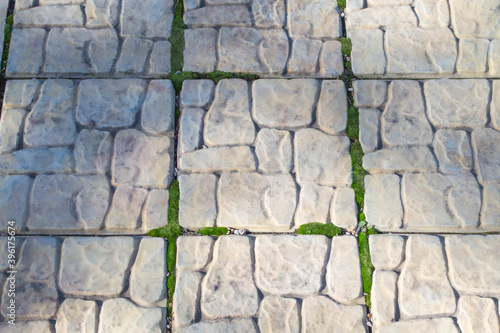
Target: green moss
(177, 39)
(358, 174)
(366, 265)
(317, 228)
(7, 32)
(346, 45)
(352, 123)
(214, 231)
(341, 4)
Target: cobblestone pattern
(432, 154)
(435, 283)
(267, 156)
(91, 156)
(272, 283)
(83, 284)
(424, 38)
(273, 38)
(97, 38)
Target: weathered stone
(322, 158)
(190, 130)
(155, 211)
(41, 326)
(472, 56)
(121, 315)
(109, 103)
(93, 152)
(228, 287)
(148, 281)
(36, 293)
(274, 151)
(477, 19)
(343, 272)
(313, 18)
(200, 54)
(404, 121)
(432, 13)
(159, 61)
(243, 325)
(14, 191)
(383, 297)
(453, 151)
(268, 13)
(415, 50)
(93, 266)
(332, 107)
(50, 122)
(226, 2)
(253, 51)
(53, 16)
(126, 208)
(228, 121)
(290, 265)
(147, 19)
(60, 2)
(343, 208)
(197, 93)
(423, 286)
(354, 5)
(384, 3)
(77, 315)
(494, 57)
(438, 201)
(400, 159)
(321, 314)
(11, 128)
(285, 104)
(21, 93)
(225, 15)
(457, 103)
(158, 109)
(421, 325)
(41, 160)
(26, 56)
(486, 154)
(386, 251)
(191, 4)
(369, 129)
(490, 211)
(134, 53)
(101, 13)
(278, 314)
(494, 106)
(471, 266)
(193, 253)
(4, 252)
(314, 203)
(77, 50)
(185, 305)
(198, 204)
(23, 5)
(476, 314)
(368, 55)
(248, 200)
(375, 17)
(331, 63)
(141, 160)
(240, 158)
(68, 203)
(305, 56)
(369, 93)
(383, 207)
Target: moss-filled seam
(6, 41)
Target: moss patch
(366, 262)
(317, 228)
(7, 32)
(346, 45)
(214, 231)
(341, 4)
(177, 39)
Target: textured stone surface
(316, 18)
(374, 17)
(225, 15)
(494, 107)
(331, 63)
(239, 158)
(314, 203)
(486, 154)
(202, 54)
(472, 56)
(269, 13)
(332, 107)
(27, 51)
(14, 191)
(155, 210)
(432, 14)
(244, 325)
(369, 93)
(187, 289)
(43, 326)
(190, 130)
(101, 13)
(76, 315)
(479, 19)
(383, 294)
(490, 211)
(411, 159)
(304, 57)
(158, 109)
(37, 160)
(133, 55)
(343, 208)
(126, 208)
(93, 151)
(193, 253)
(386, 251)
(11, 128)
(369, 129)
(383, 206)
(453, 151)
(369, 59)
(422, 325)
(476, 314)
(197, 93)
(278, 314)
(21, 93)
(147, 18)
(56, 16)
(274, 151)
(198, 204)
(159, 61)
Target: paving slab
(91, 38)
(424, 38)
(85, 284)
(268, 283)
(431, 154)
(272, 38)
(90, 156)
(439, 283)
(244, 146)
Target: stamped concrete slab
(274, 278)
(73, 151)
(243, 147)
(431, 154)
(92, 38)
(61, 282)
(436, 283)
(424, 38)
